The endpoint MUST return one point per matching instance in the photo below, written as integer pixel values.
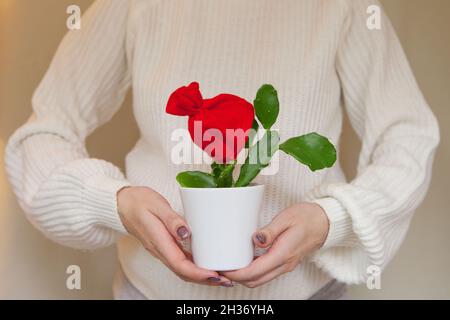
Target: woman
(322, 232)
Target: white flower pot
(222, 223)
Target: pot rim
(251, 186)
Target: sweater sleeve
(70, 197)
(369, 216)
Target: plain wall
(33, 267)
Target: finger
(188, 270)
(210, 281)
(292, 257)
(267, 277)
(260, 266)
(176, 225)
(175, 259)
(281, 252)
(267, 235)
(215, 283)
(169, 252)
(186, 252)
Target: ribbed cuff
(340, 230)
(100, 196)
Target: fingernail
(183, 232)
(227, 284)
(214, 279)
(261, 238)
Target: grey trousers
(124, 290)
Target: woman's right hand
(148, 216)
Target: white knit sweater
(316, 53)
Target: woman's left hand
(293, 234)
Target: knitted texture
(322, 59)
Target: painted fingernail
(227, 284)
(261, 238)
(183, 232)
(214, 279)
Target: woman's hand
(148, 216)
(294, 233)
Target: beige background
(33, 267)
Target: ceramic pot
(222, 223)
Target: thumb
(173, 222)
(265, 237)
